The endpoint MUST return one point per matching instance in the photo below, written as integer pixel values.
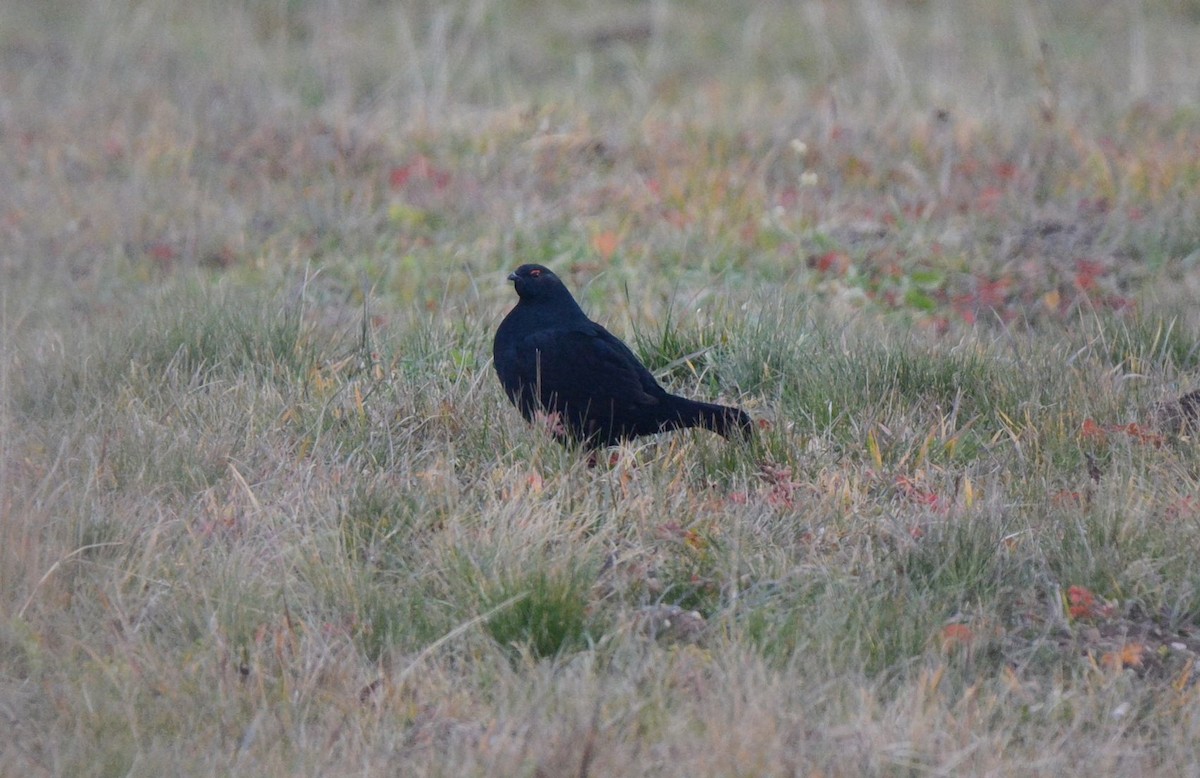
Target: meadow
(265, 510)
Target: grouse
(552, 359)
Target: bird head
(536, 282)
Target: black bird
(552, 358)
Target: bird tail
(721, 419)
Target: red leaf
(1066, 498)
(1129, 655)
(605, 244)
(955, 636)
(1005, 170)
(1087, 273)
(419, 168)
(1081, 602)
(836, 262)
(989, 198)
(1092, 430)
(1141, 435)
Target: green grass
(539, 615)
(265, 510)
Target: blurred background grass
(261, 133)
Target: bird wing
(586, 366)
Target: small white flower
(808, 178)
(799, 146)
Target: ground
(265, 510)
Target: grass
(265, 510)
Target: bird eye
(534, 273)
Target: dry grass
(264, 510)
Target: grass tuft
(548, 616)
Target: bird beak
(512, 276)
